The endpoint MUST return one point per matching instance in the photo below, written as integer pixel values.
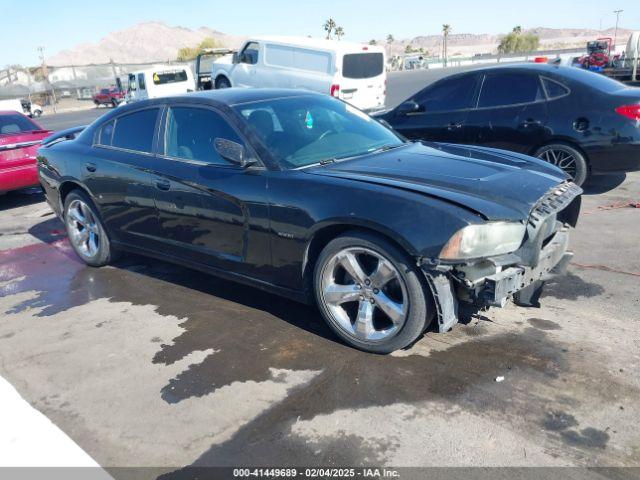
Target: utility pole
(45, 74)
(615, 33)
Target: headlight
(488, 239)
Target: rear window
(174, 76)
(554, 89)
(135, 131)
(503, 89)
(16, 124)
(362, 65)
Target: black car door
(210, 211)
(117, 175)
(440, 110)
(511, 112)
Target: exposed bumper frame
(497, 288)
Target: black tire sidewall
(104, 255)
(582, 169)
(222, 81)
(420, 307)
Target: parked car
(31, 109)
(159, 82)
(20, 138)
(14, 105)
(353, 72)
(581, 121)
(111, 96)
(304, 195)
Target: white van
(160, 81)
(353, 72)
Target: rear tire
(383, 305)
(222, 82)
(86, 233)
(567, 158)
(114, 104)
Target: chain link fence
(47, 85)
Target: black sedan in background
(305, 196)
(581, 121)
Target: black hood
(497, 184)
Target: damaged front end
(490, 281)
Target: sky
(61, 24)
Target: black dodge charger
(581, 121)
(305, 196)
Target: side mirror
(233, 152)
(410, 106)
(235, 58)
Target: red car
(108, 96)
(20, 138)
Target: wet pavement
(146, 363)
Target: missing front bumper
(523, 283)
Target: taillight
(630, 111)
(335, 90)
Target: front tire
(222, 82)
(370, 293)
(567, 158)
(86, 233)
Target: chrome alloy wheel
(84, 231)
(561, 158)
(364, 293)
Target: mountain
(467, 44)
(144, 42)
(159, 42)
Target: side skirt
(295, 295)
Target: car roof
(225, 96)
(317, 43)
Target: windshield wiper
(386, 148)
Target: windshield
(15, 124)
(306, 130)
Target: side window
(554, 89)
(501, 89)
(191, 132)
(250, 53)
(105, 134)
(141, 84)
(135, 130)
(132, 82)
(446, 95)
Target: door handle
(91, 167)
(530, 122)
(163, 185)
(454, 126)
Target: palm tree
(446, 30)
(339, 31)
(390, 38)
(329, 26)
(517, 29)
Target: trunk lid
(18, 149)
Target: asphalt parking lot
(144, 363)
